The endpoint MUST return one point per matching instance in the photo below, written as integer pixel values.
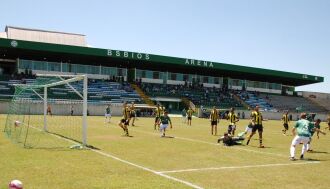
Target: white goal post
(61, 80)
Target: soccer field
(192, 159)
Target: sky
(286, 35)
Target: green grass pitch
(191, 159)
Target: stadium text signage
(199, 63)
(125, 54)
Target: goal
(49, 105)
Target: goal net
(47, 110)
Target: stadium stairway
(323, 104)
(144, 97)
(246, 105)
(186, 101)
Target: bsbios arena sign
(143, 56)
(126, 54)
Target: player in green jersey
(107, 114)
(303, 130)
(164, 120)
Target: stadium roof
(107, 57)
(31, 29)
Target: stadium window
(173, 76)
(155, 75)
(112, 71)
(149, 74)
(235, 82)
(25, 64)
(105, 71)
(124, 72)
(211, 80)
(39, 65)
(205, 79)
(65, 67)
(52, 66)
(249, 83)
(185, 77)
(93, 69)
(198, 79)
(144, 74)
(73, 68)
(179, 77)
(120, 71)
(216, 80)
(81, 68)
(138, 73)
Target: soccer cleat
(302, 156)
(261, 146)
(292, 159)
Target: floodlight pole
(84, 118)
(45, 108)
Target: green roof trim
(57, 48)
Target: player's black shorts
(214, 123)
(257, 127)
(189, 118)
(124, 121)
(286, 126)
(156, 119)
(132, 115)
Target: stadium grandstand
(117, 76)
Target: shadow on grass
(168, 137)
(318, 152)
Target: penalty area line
(217, 144)
(135, 165)
(238, 167)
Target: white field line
(217, 144)
(147, 169)
(136, 165)
(238, 167)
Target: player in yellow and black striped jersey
(125, 119)
(328, 122)
(233, 118)
(189, 115)
(158, 113)
(285, 119)
(214, 118)
(256, 119)
(132, 114)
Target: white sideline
(238, 167)
(136, 165)
(216, 144)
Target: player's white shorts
(163, 126)
(248, 129)
(107, 115)
(233, 126)
(300, 139)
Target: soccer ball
(15, 184)
(17, 123)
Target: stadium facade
(62, 53)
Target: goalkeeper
(228, 140)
